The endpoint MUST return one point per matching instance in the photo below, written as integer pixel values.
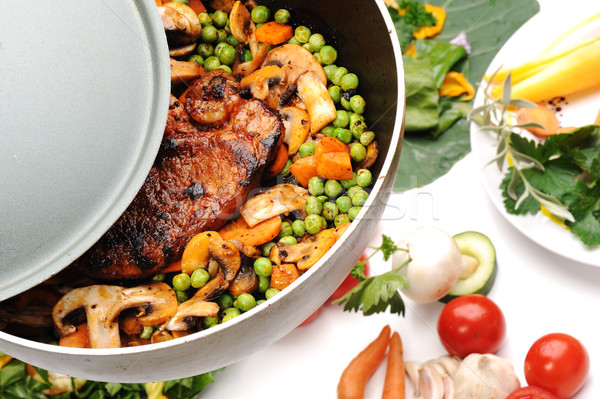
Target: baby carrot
(393, 387)
(356, 375)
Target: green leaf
(422, 109)
(443, 56)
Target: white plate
(576, 111)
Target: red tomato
(312, 317)
(558, 363)
(531, 392)
(471, 324)
(349, 283)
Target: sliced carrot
(394, 384)
(283, 275)
(303, 169)
(263, 232)
(335, 165)
(159, 3)
(279, 163)
(356, 375)
(197, 6)
(340, 230)
(172, 267)
(78, 339)
(329, 144)
(274, 33)
(542, 115)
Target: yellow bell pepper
(455, 84)
(429, 31)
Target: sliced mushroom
(181, 51)
(285, 92)
(182, 26)
(156, 302)
(313, 93)
(185, 71)
(297, 127)
(305, 254)
(372, 153)
(96, 300)
(298, 56)
(241, 68)
(261, 80)
(245, 280)
(280, 199)
(210, 245)
(242, 27)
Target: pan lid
(83, 103)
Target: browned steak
(213, 154)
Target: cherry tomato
(531, 392)
(349, 283)
(557, 363)
(471, 324)
(312, 317)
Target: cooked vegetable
(356, 375)
(297, 56)
(283, 275)
(484, 376)
(297, 126)
(558, 363)
(306, 253)
(304, 169)
(274, 33)
(433, 263)
(393, 387)
(455, 84)
(541, 115)
(478, 270)
(261, 233)
(278, 163)
(425, 31)
(77, 339)
(334, 165)
(259, 81)
(471, 324)
(319, 105)
(280, 199)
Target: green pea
(219, 47)
(313, 224)
(247, 55)
(329, 69)
(353, 212)
(181, 282)
(341, 219)
(307, 149)
(260, 14)
(198, 58)
(342, 134)
(354, 118)
(282, 16)
(226, 68)
(199, 278)
(290, 240)
(313, 207)
(260, 301)
(232, 41)
(286, 229)
(364, 177)
(335, 92)
(221, 36)
(159, 277)
(358, 152)
(315, 186)
(345, 103)
(208, 321)
(286, 169)
(308, 47)
(147, 332)
(265, 249)
(358, 128)
(328, 54)
(302, 34)
(347, 184)
(333, 188)
(181, 296)
(293, 40)
(263, 284)
(337, 75)
(220, 18)
(271, 292)
(212, 63)
(225, 301)
(263, 266)
(349, 81)
(209, 34)
(342, 119)
(245, 302)
(205, 50)
(358, 104)
(323, 222)
(343, 203)
(328, 130)
(316, 41)
(367, 137)
(205, 19)
(230, 313)
(330, 211)
(323, 199)
(354, 189)
(360, 198)
(298, 227)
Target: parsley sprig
(561, 173)
(375, 294)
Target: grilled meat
(214, 150)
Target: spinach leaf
(422, 110)
(488, 24)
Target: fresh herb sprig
(375, 294)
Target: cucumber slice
(480, 247)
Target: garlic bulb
(485, 377)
